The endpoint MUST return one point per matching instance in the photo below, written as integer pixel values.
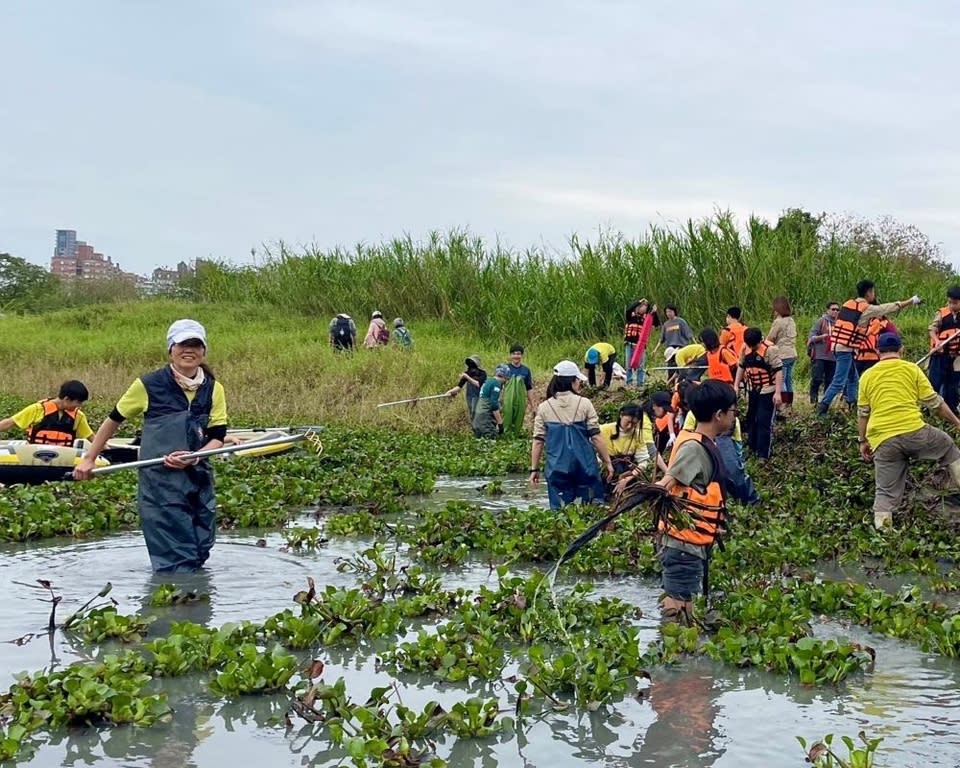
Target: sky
(169, 131)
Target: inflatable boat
(123, 449)
(24, 463)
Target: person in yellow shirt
(891, 428)
(630, 443)
(184, 410)
(57, 420)
(604, 355)
(691, 361)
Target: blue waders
(176, 505)
(571, 468)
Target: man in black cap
(891, 427)
(472, 378)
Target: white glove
(670, 440)
(915, 300)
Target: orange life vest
(56, 427)
(632, 331)
(663, 422)
(949, 326)
(867, 351)
(759, 373)
(719, 364)
(708, 512)
(846, 328)
(731, 337)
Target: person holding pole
(945, 346)
(184, 410)
(487, 418)
(849, 330)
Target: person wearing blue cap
(604, 355)
(184, 410)
(487, 418)
(891, 430)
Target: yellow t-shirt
(690, 423)
(688, 355)
(604, 349)
(32, 414)
(134, 401)
(891, 392)
(632, 444)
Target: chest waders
(176, 505)
(513, 405)
(571, 466)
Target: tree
(25, 286)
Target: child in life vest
(57, 420)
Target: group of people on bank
(343, 333)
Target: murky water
(698, 714)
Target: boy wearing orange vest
(696, 472)
(56, 421)
(731, 336)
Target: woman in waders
(567, 425)
(184, 410)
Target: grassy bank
(278, 366)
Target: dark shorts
(682, 573)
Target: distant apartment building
(76, 259)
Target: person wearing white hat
(378, 335)
(567, 427)
(184, 410)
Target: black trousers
(759, 426)
(944, 380)
(607, 372)
(821, 374)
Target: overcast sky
(168, 131)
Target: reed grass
(533, 296)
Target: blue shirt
(523, 372)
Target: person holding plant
(57, 420)
(945, 342)
(567, 428)
(822, 360)
(891, 431)
(487, 416)
(378, 335)
(472, 378)
(184, 410)
(604, 355)
(848, 331)
(517, 395)
(760, 367)
(633, 326)
(695, 473)
(783, 336)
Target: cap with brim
(888, 342)
(593, 356)
(503, 371)
(670, 352)
(184, 330)
(568, 368)
(472, 362)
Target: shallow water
(698, 714)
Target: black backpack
(341, 331)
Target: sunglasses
(834, 309)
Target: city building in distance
(78, 260)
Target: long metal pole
(412, 400)
(939, 346)
(201, 454)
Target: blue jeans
(628, 348)
(845, 378)
(788, 374)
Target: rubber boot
(883, 520)
(954, 470)
(822, 409)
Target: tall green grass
(703, 267)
